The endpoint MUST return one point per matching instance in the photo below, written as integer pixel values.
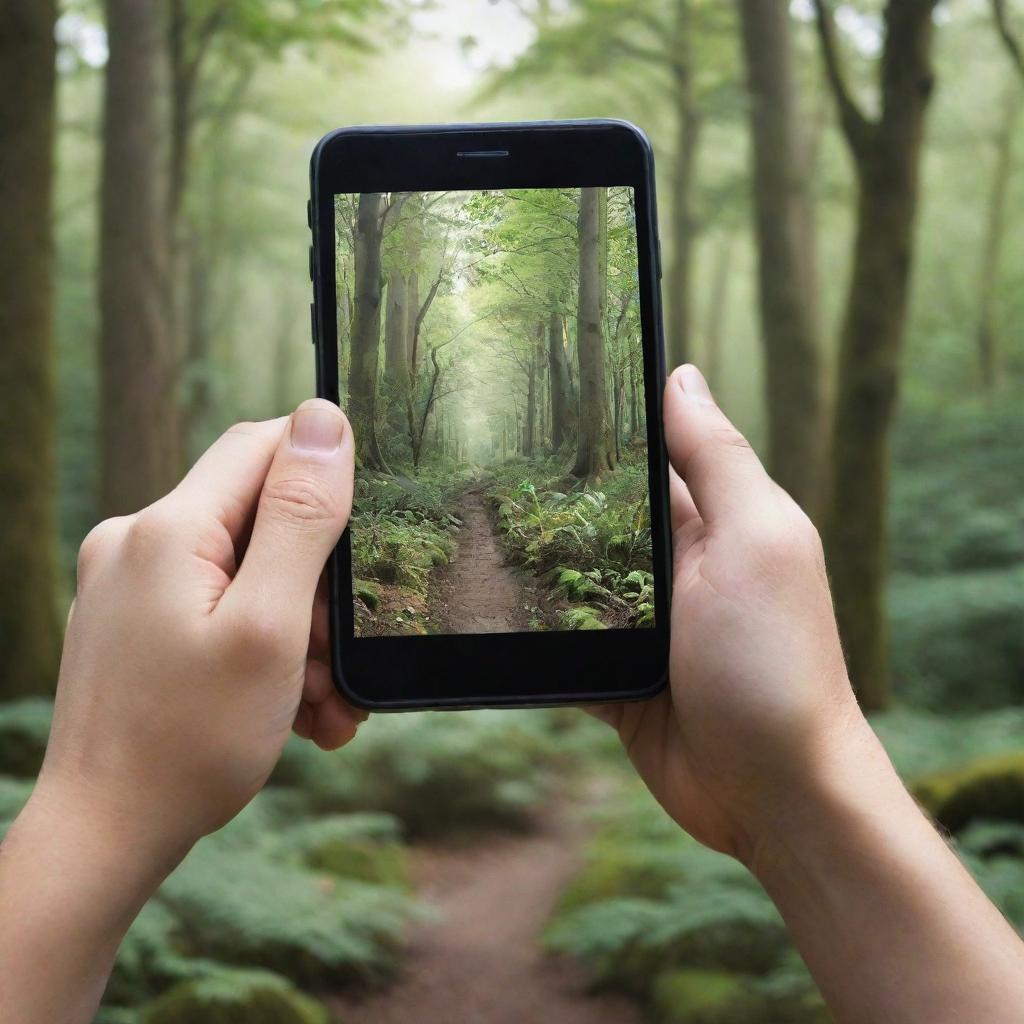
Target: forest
(510, 399)
(840, 195)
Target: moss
(367, 592)
(691, 996)
(235, 997)
(990, 788)
(614, 871)
(364, 860)
(24, 730)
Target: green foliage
(241, 907)
(958, 639)
(14, 794)
(24, 729)
(235, 997)
(439, 774)
(364, 847)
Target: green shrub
(235, 997)
(363, 847)
(242, 907)
(957, 642)
(438, 774)
(989, 789)
(24, 730)
(692, 996)
(149, 958)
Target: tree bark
(365, 345)
(886, 154)
(138, 364)
(595, 452)
(396, 335)
(717, 311)
(992, 245)
(786, 274)
(678, 285)
(29, 626)
(562, 412)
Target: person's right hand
(759, 709)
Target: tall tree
(562, 400)
(986, 335)
(786, 261)
(29, 627)
(138, 428)
(595, 448)
(886, 152)
(362, 386)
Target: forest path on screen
(479, 592)
(481, 961)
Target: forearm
(71, 882)
(889, 921)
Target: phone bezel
(495, 669)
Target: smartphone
(486, 309)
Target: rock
(367, 592)
(24, 730)
(990, 789)
(235, 997)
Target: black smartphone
(487, 311)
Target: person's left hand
(189, 653)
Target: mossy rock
(990, 788)
(363, 860)
(692, 996)
(24, 730)
(235, 997)
(367, 592)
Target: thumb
(302, 511)
(721, 471)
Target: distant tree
(1010, 38)
(783, 221)
(29, 627)
(595, 447)
(886, 154)
(138, 364)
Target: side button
(657, 239)
(312, 323)
(311, 263)
(309, 214)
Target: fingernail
(694, 386)
(316, 428)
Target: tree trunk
(887, 156)
(29, 626)
(365, 346)
(634, 397)
(992, 246)
(562, 410)
(531, 406)
(595, 453)
(717, 312)
(412, 303)
(786, 277)
(396, 337)
(678, 283)
(138, 364)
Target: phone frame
(525, 669)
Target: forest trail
(481, 962)
(479, 592)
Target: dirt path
(479, 593)
(482, 963)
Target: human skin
(161, 735)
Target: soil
(480, 961)
(478, 592)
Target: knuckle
(786, 537)
(151, 529)
(98, 545)
(258, 638)
(300, 501)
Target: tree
(138, 435)
(362, 387)
(787, 282)
(595, 448)
(562, 399)
(885, 152)
(29, 625)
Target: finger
(303, 724)
(724, 476)
(319, 632)
(303, 508)
(318, 684)
(680, 501)
(226, 480)
(333, 724)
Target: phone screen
(490, 360)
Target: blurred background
(840, 192)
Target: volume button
(312, 323)
(311, 263)
(309, 214)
